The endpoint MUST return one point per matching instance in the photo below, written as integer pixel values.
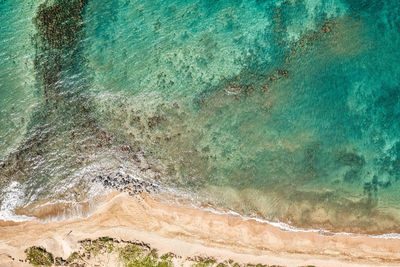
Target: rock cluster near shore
(126, 183)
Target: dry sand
(188, 231)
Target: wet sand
(188, 231)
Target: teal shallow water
(284, 110)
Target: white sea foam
(13, 197)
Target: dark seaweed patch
(352, 176)
(60, 24)
(59, 30)
(350, 159)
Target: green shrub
(38, 256)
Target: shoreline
(189, 231)
(290, 228)
(50, 212)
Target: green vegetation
(38, 256)
(204, 261)
(101, 245)
(73, 257)
(127, 253)
(136, 256)
(168, 256)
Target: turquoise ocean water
(283, 110)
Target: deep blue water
(285, 110)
